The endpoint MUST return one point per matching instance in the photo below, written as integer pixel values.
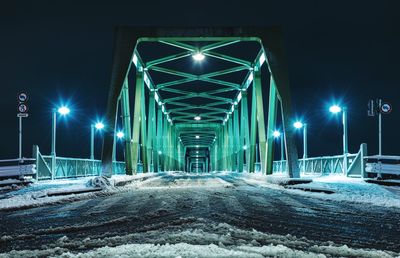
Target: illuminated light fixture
(245, 147)
(120, 135)
(198, 56)
(276, 134)
(197, 118)
(197, 146)
(335, 109)
(159, 152)
(197, 136)
(298, 125)
(99, 125)
(64, 111)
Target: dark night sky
(58, 51)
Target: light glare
(64, 110)
(197, 118)
(120, 135)
(198, 56)
(298, 125)
(335, 109)
(99, 125)
(276, 134)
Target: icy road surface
(179, 215)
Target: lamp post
(119, 135)
(98, 126)
(335, 109)
(277, 135)
(63, 111)
(299, 125)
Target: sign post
(22, 112)
(380, 108)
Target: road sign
(22, 97)
(386, 108)
(22, 108)
(22, 115)
(371, 108)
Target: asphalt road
(170, 204)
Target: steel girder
(232, 146)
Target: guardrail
(338, 164)
(70, 167)
(17, 168)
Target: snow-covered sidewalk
(62, 190)
(344, 188)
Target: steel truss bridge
(198, 99)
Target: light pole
(63, 111)
(277, 135)
(99, 126)
(119, 135)
(299, 125)
(335, 109)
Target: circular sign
(22, 97)
(386, 108)
(22, 108)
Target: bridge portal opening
(198, 99)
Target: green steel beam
(126, 124)
(272, 110)
(228, 58)
(218, 45)
(253, 131)
(136, 119)
(168, 59)
(260, 119)
(143, 131)
(151, 133)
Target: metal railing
(70, 167)
(318, 165)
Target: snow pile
(100, 181)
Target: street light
(99, 126)
(197, 118)
(277, 135)
(120, 135)
(335, 109)
(299, 125)
(63, 111)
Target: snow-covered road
(223, 213)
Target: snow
(346, 189)
(35, 194)
(208, 239)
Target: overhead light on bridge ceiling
(197, 118)
(298, 125)
(197, 136)
(198, 56)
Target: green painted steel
(183, 120)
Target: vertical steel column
(136, 121)
(143, 131)
(236, 138)
(272, 110)
(151, 135)
(260, 120)
(126, 124)
(114, 145)
(231, 156)
(159, 138)
(253, 131)
(53, 144)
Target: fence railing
(70, 167)
(319, 165)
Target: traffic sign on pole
(386, 108)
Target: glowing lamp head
(159, 152)
(298, 125)
(120, 135)
(335, 109)
(99, 125)
(197, 118)
(197, 136)
(276, 134)
(245, 147)
(64, 111)
(198, 56)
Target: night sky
(345, 52)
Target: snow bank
(345, 188)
